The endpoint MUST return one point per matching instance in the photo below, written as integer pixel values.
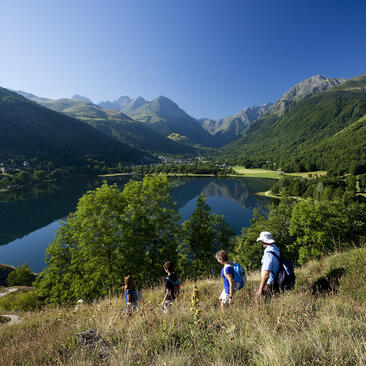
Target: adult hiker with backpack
(233, 276)
(277, 273)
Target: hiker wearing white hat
(270, 265)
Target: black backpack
(285, 278)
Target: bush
(24, 301)
(22, 276)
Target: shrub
(22, 276)
(23, 301)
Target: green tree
(22, 276)
(203, 235)
(362, 182)
(351, 183)
(324, 227)
(248, 252)
(111, 234)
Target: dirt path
(8, 291)
(14, 319)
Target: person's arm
(263, 282)
(165, 297)
(229, 277)
(166, 292)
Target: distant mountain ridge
(30, 130)
(81, 98)
(165, 117)
(306, 88)
(230, 128)
(172, 123)
(114, 124)
(117, 105)
(325, 131)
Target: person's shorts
(224, 297)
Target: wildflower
(195, 301)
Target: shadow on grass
(328, 283)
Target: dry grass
(297, 328)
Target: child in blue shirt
(227, 274)
(131, 294)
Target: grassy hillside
(30, 130)
(323, 132)
(321, 322)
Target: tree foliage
(305, 230)
(204, 233)
(111, 234)
(22, 276)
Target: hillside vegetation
(321, 322)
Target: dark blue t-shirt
(228, 269)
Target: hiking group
(277, 275)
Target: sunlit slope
(320, 322)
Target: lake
(29, 219)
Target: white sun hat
(266, 237)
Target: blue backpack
(240, 276)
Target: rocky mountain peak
(306, 88)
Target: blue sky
(213, 58)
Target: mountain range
(312, 126)
(323, 131)
(112, 123)
(30, 130)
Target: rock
(93, 342)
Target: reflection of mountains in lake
(25, 212)
(239, 190)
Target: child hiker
(131, 294)
(227, 274)
(172, 286)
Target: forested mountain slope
(230, 128)
(320, 132)
(29, 130)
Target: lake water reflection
(29, 220)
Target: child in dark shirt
(172, 286)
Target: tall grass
(307, 326)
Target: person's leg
(267, 292)
(224, 299)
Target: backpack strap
(278, 258)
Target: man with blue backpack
(233, 276)
(277, 272)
